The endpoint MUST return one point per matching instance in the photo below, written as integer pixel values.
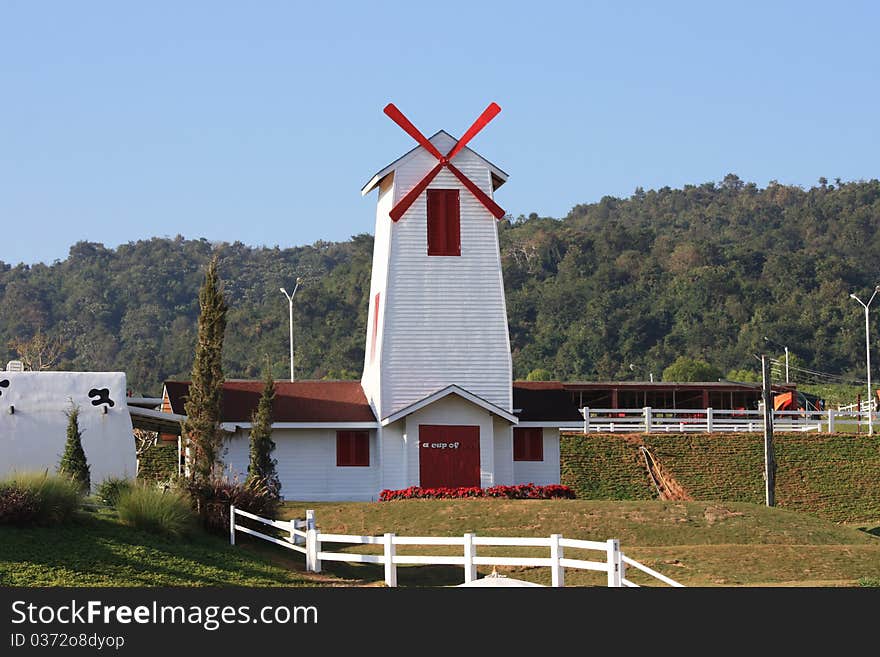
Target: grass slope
(696, 543)
(830, 475)
(98, 550)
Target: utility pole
(769, 457)
(290, 309)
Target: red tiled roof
(297, 401)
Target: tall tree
(202, 425)
(262, 467)
(73, 461)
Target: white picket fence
(304, 537)
(709, 420)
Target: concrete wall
(33, 437)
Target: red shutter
(528, 444)
(352, 448)
(444, 222)
(375, 327)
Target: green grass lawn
(695, 543)
(98, 550)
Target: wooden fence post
(558, 572)
(709, 420)
(647, 412)
(470, 551)
(614, 563)
(232, 524)
(830, 420)
(586, 411)
(390, 566)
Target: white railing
(614, 562)
(709, 420)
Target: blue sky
(259, 122)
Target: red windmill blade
(444, 160)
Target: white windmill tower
(437, 314)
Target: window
(528, 444)
(375, 327)
(444, 223)
(353, 448)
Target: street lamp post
(290, 307)
(868, 357)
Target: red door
(449, 455)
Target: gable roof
(445, 392)
(499, 177)
(295, 401)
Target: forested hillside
(704, 271)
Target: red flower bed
(518, 492)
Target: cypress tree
(202, 425)
(262, 466)
(73, 461)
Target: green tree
(73, 461)
(744, 376)
(203, 411)
(690, 369)
(539, 374)
(262, 467)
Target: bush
(517, 492)
(112, 488)
(52, 498)
(73, 461)
(18, 506)
(156, 511)
(212, 499)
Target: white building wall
(543, 472)
(445, 319)
(307, 466)
(378, 285)
(503, 452)
(33, 437)
(394, 455)
(455, 411)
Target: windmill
(437, 313)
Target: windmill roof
(499, 177)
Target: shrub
(112, 488)
(157, 511)
(213, 497)
(517, 492)
(18, 506)
(55, 498)
(73, 461)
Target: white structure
(33, 421)
(436, 403)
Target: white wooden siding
(503, 452)
(540, 472)
(307, 466)
(451, 410)
(445, 319)
(370, 380)
(394, 454)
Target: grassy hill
(832, 476)
(98, 550)
(696, 543)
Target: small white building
(436, 405)
(33, 422)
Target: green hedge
(834, 476)
(158, 462)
